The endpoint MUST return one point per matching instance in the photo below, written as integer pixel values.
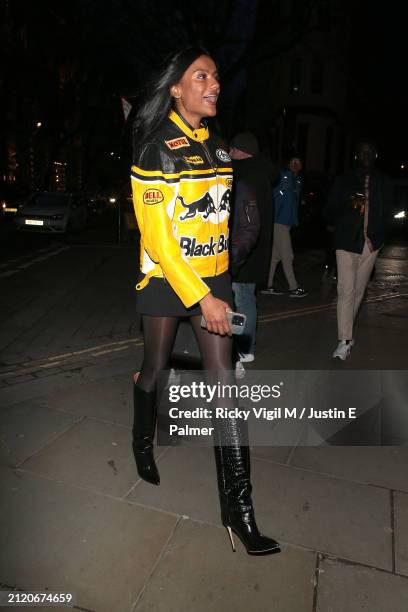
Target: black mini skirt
(158, 299)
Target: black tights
(159, 334)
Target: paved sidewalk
(75, 517)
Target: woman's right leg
(159, 334)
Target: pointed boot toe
(146, 465)
(144, 426)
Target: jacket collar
(199, 134)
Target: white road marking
(32, 262)
(300, 312)
(111, 347)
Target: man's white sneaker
(343, 349)
(299, 292)
(239, 370)
(246, 357)
(174, 377)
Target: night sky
(111, 52)
(379, 72)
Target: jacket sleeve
(155, 185)
(246, 223)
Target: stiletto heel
(234, 485)
(244, 526)
(231, 538)
(143, 432)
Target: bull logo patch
(222, 155)
(225, 201)
(204, 205)
(153, 196)
(194, 159)
(177, 143)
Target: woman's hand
(215, 314)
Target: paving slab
(346, 519)
(71, 379)
(277, 454)
(112, 367)
(188, 484)
(66, 539)
(92, 454)
(27, 427)
(200, 573)
(40, 386)
(385, 466)
(401, 533)
(109, 399)
(349, 588)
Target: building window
(295, 75)
(316, 80)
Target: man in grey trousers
(356, 207)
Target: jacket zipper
(215, 169)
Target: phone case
(236, 320)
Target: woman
(181, 181)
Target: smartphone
(236, 322)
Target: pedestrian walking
(357, 208)
(286, 196)
(181, 181)
(251, 235)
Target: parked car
(12, 195)
(52, 212)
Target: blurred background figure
(357, 207)
(286, 196)
(251, 236)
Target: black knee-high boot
(144, 425)
(234, 485)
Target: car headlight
(3, 205)
(400, 215)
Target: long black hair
(158, 100)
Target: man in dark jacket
(357, 208)
(257, 174)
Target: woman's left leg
(231, 450)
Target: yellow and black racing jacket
(181, 187)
